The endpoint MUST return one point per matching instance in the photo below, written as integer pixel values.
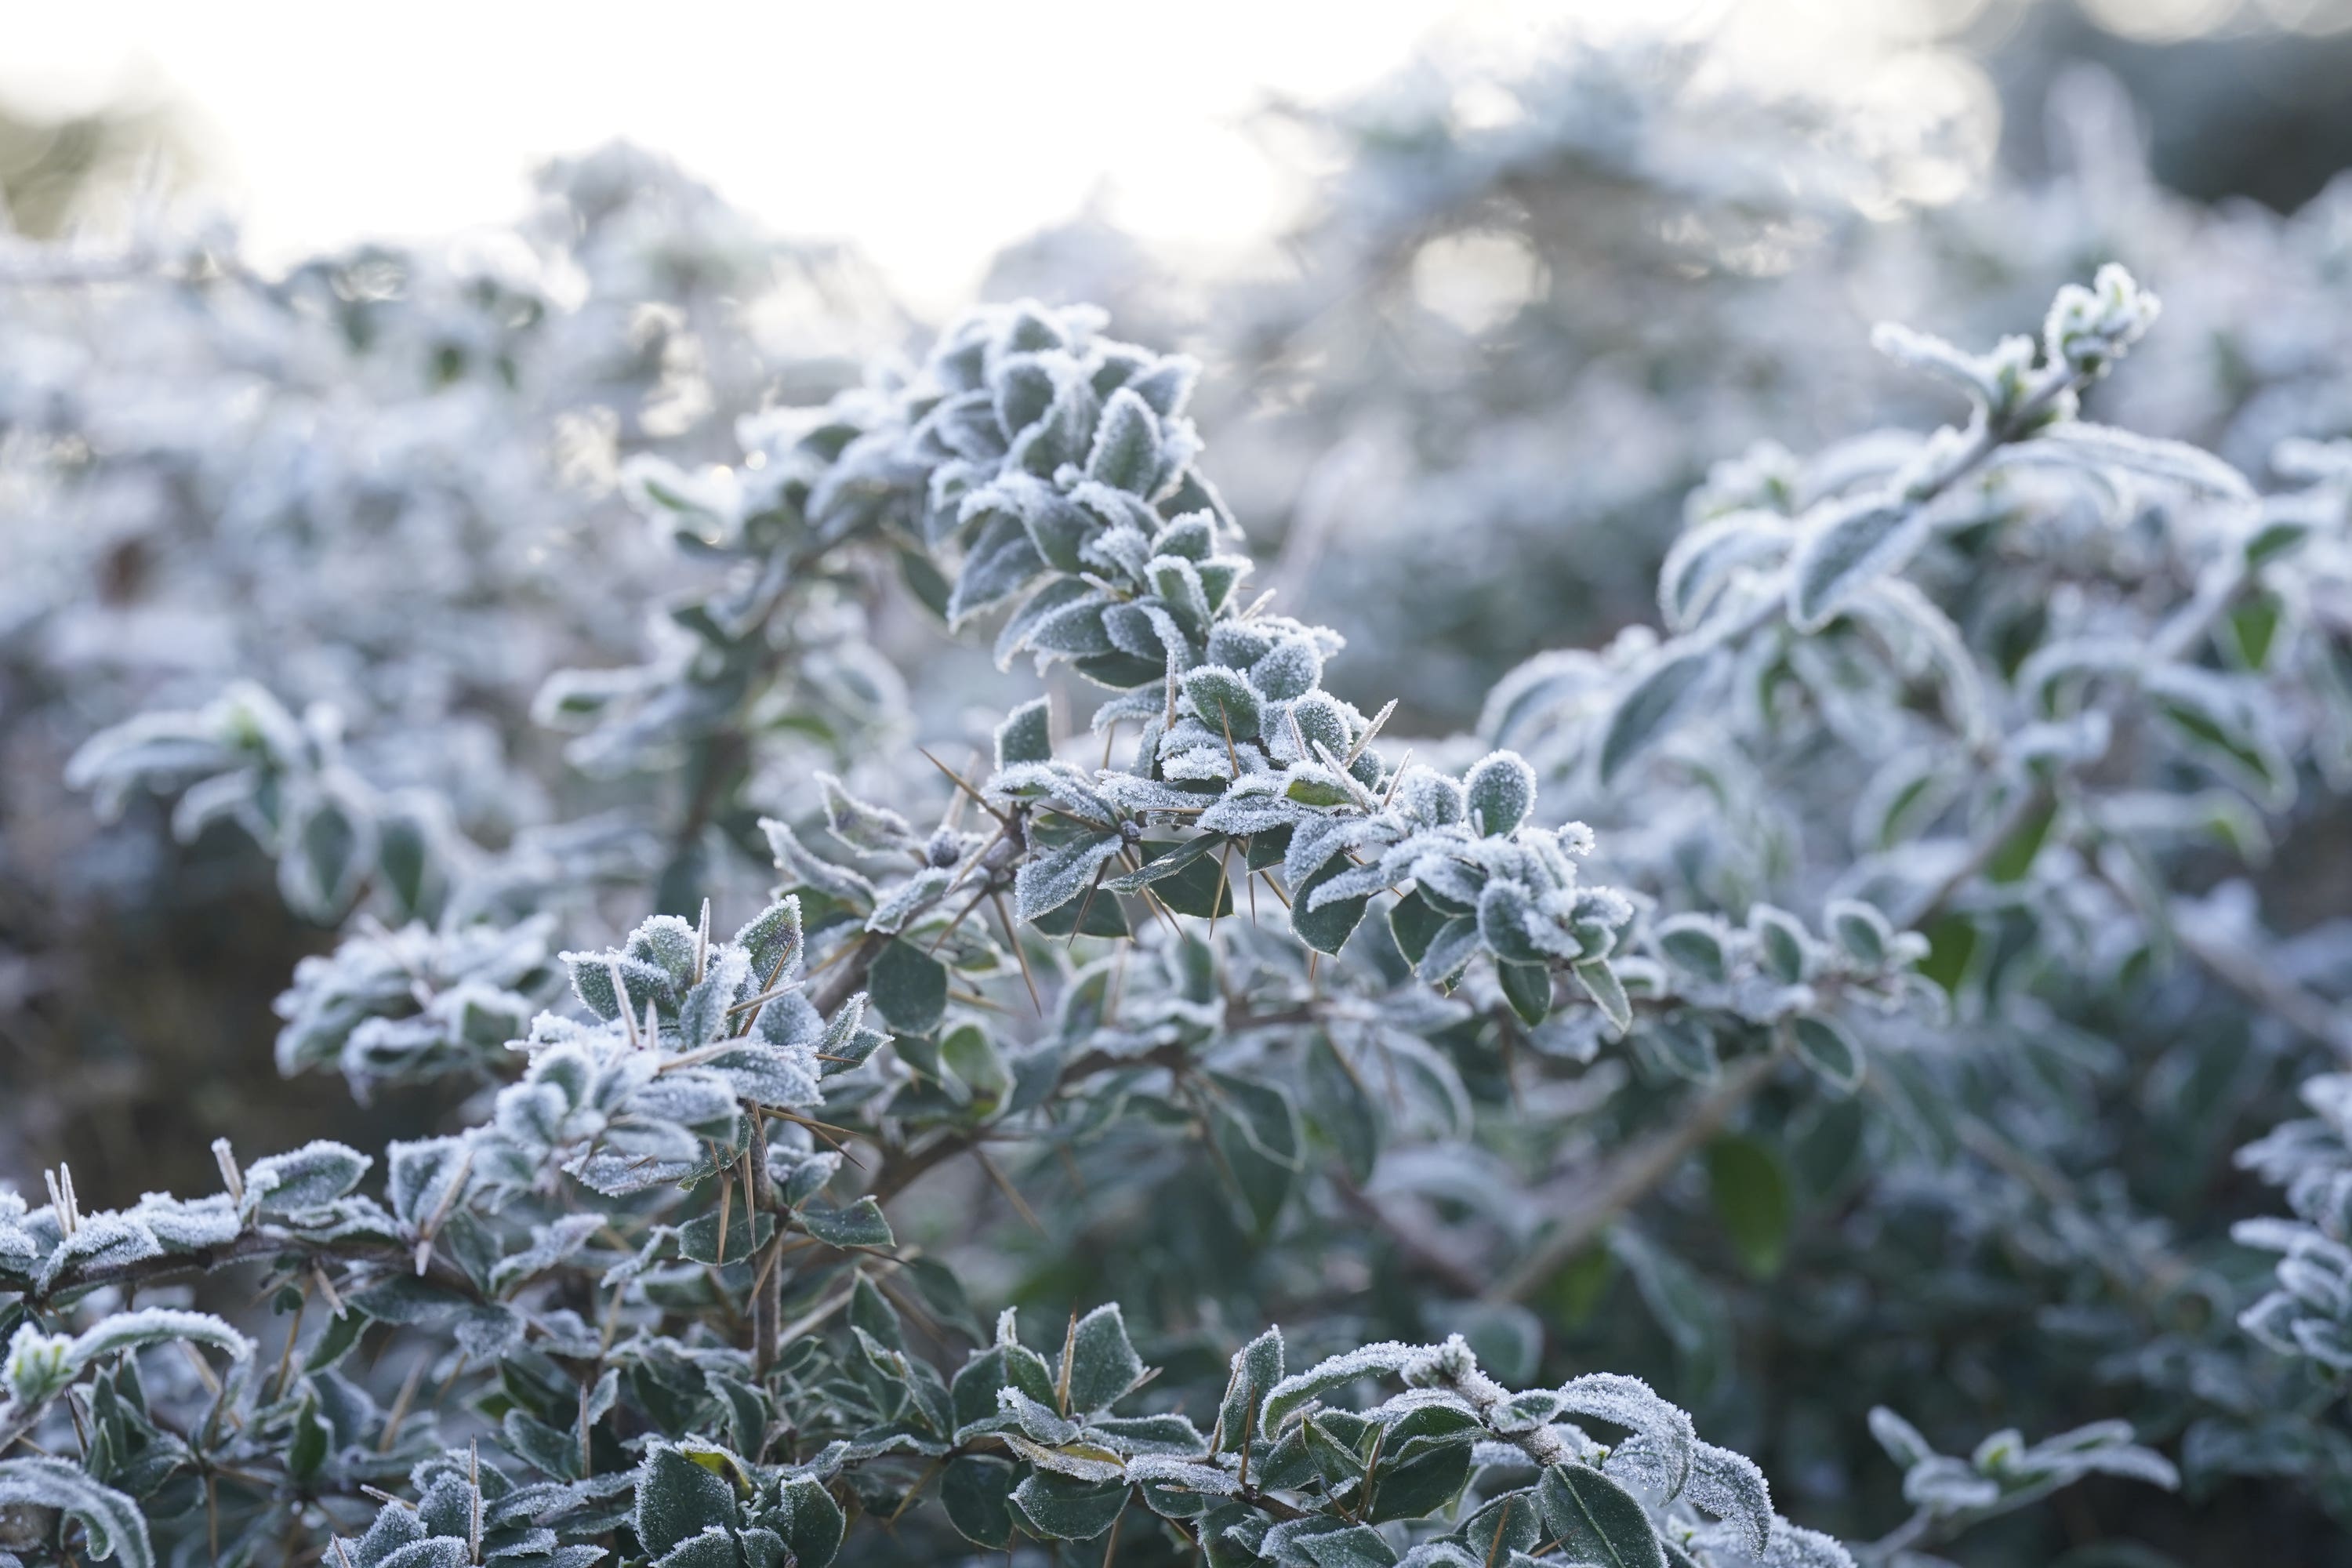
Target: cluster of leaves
(682, 1148)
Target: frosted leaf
(1925, 351)
(1653, 703)
(1064, 786)
(153, 1326)
(1200, 764)
(1705, 562)
(1629, 1403)
(1388, 1358)
(1288, 670)
(1052, 877)
(425, 1178)
(1026, 735)
(1126, 453)
(859, 824)
(189, 1225)
(1313, 843)
(909, 898)
(702, 1015)
(1042, 1425)
(1182, 1475)
(1499, 791)
(1177, 581)
(1728, 1487)
(772, 941)
(1127, 791)
(113, 1525)
(1078, 1464)
(1229, 708)
(1908, 619)
(1354, 883)
(1000, 562)
(550, 1245)
(100, 1241)
(2079, 445)
(1846, 547)
(769, 1075)
(1791, 1546)
(1454, 945)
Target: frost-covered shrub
(1246, 1011)
(1837, 1006)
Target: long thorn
(1011, 1193)
(1012, 940)
(978, 799)
(1372, 730)
(1088, 908)
(958, 920)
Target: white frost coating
(1182, 1475)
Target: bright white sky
(931, 133)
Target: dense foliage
(1861, 1063)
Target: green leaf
(1781, 944)
(1253, 1128)
(112, 1526)
(1500, 792)
(1102, 1365)
(1651, 706)
(1423, 1465)
(1000, 562)
(1058, 1507)
(1340, 1545)
(1596, 1521)
(2219, 719)
(818, 1523)
(1326, 929)
(2251, 630)
(924, 580)
(1749, 1186)
(909, 987)
(1225, 700)
(1414, 923)
(772, 938)
(310, 1177)
(1201, 886)
(2014, 856)
(860, 1225)
(977, 1494)
(1026, 735)
(1104, 917)
(1505, 1528)
(1852, 545)
(1608, 993)
(1692, 945)
(1683, 1043)
(977, 1064)
(1257, 1367)
(1527, 988)
(676, 1498)
(698, 1239)
(1860, 930)
(1347, 1114)
(1126, 453)
(1825, 1046)
(307, 1450)
(335, 1342)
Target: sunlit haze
(322, 125)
